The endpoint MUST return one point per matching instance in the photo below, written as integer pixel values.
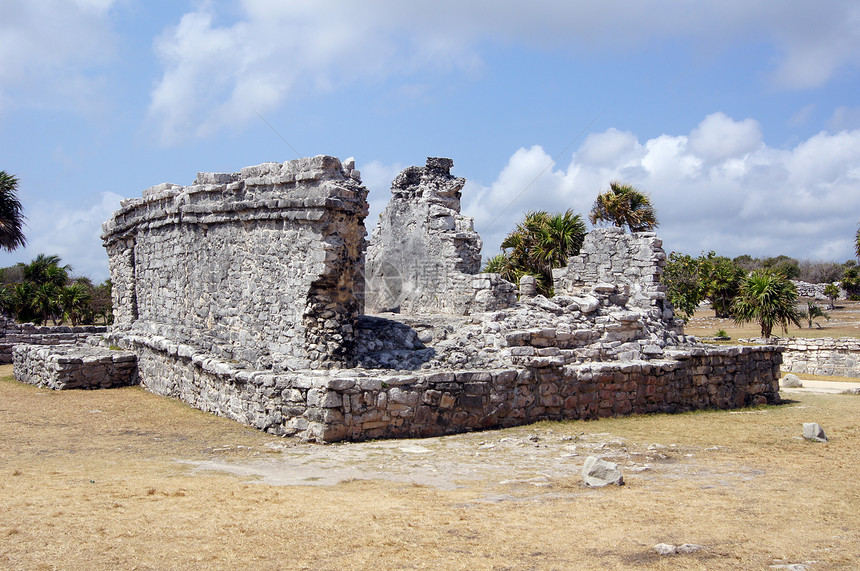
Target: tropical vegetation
(768, 298)
(812, 312)
(541, 242)
(11, 214)
(43, 291)
(623, 205)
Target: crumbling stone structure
(257, 266)
(424, 256)
(13, 334)
(241, 294)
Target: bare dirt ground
(125, 479)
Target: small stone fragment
(811, 431)
(597, 472)
(791, 381)
(669, 549)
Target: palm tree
(46, 302)
(811, 313)
(46, 269)
(73, 300)
(11, 215)
(857, 243)
(623, 205)
(768, 298)
(541, 242)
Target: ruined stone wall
(13, 334)
(257, 266)
(74, 367)
(358, 404)
(633, 262)
(424, 256)
(816, 291)
(825, 356)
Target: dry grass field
(844, 322)
(123, 479)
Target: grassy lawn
(102, 480)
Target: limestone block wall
(423, 255)
(816, 291)
(257, 266)
(826, 356)
(13, 334)
(610, 255)
(357, 404)
(74, 367)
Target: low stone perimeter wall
(74, 367)
(359, 404)
(825, 356)
(13, 334)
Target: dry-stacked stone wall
(74, 367)
(357, 404)
(257, 266)
(12, 334)
(824, 356)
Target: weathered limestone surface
(239, 295)
(74, 367)
(425, 257)
(816, 291)
(632, 262)
(359, 404)
(12, 334)
(823, 356)
(257, 266)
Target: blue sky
(740, 118)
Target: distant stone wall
(257, 266)
(359, 404)
(825, 356)
(816, 291)
(74, 367)
(12, 334)
(424, 256)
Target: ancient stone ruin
(246, 294)
(424, 256)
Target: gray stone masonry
(822, 356)
(74, 367)
(816, 291)
(633, 262)
(425, 257)
(239, 296)
(359, 404)
(12, 334)
(257, 266)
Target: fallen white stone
(597, 473)
(791, 381)
(811, 431)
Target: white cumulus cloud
(217, 74)
(736, 197)
(53, 51)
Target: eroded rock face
(424, 256)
